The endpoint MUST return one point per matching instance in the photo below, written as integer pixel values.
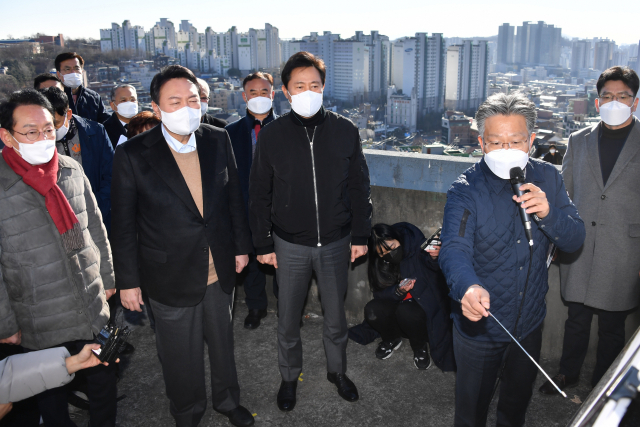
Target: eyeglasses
(33, 135)
(515, 144)
(625, 98)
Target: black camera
(433, 241)
(112, 340)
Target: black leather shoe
(253, 318)
(287, 395)
(240, 416)
(128, 349)
(346, 388)
(561, 381)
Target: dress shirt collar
(177, 145)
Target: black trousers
(296, 263)
(479, 364)
(180, 336)
(577, 329)
(393, 319)
(101, 391)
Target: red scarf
(43, 178)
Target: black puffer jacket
(430, 291)
(309, 194)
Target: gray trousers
(295, 266)
(180, 336)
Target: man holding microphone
(490, 266)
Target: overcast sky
(294, 19)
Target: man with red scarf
(57, 271)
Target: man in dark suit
(84, 102)
(258, 94)
(124, 103)
(181, 233)
(204, 106)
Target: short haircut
(116, 87)
(18, 99)
(68, 55)
(44, 77)
(302, 60)
(624, 74)
(258, 75)
(168, 73)
(501, 104)
(140, 122)
(57, 98)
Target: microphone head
(516, 174)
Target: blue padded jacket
(483, 242)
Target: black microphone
(517, 179)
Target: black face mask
(394, 256)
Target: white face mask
(127, 109)
(615, 113)
(61, 132)
(72, 80)
(38, 153)
(501, 161)
(185, 121)
(204, 107)
(260, 104)
(306, 103)
(552, 151)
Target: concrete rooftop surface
(392, 392)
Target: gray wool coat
(51, 296)
(603, 273)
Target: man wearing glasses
(84, 102)
(55, 259)
(491, 267)
(602, 170)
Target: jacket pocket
(634, 230)
(153, 254)
(15, 282)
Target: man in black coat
(258, 94)
(124, 103)
(310, 211)
(84, 102)
(204, 106)
(180, 232)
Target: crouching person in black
(419, 310)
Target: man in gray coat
(601, 171)
(57, 271)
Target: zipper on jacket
(315, 183)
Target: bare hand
(110, 292)
(434, 253)
(406, 288)
(357, 251)
(14, 339)
(241, 262)
(269, 259)
(534, 202)
(5, 408)
(84, 359)
(131, 299)
(475, 303)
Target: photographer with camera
(57, 272)
(409, 296)
(28, 374)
